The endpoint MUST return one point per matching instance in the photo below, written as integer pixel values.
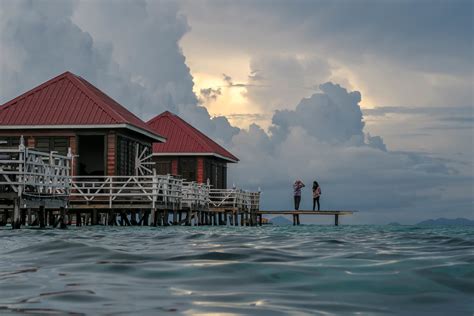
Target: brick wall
(111, 153)
(174, 166)
(200, 170)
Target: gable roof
(184, 139)
(69, 101)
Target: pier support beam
(41, 215)
(16, 223)
(336, 220)
(62, 218)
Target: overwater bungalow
(68, 111)
(188, 152)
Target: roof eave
(154, 136)
(196, 154)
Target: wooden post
(175, 217)
(133, 218)
(260, 220)
(188, 218)
(236, 218)
(78, 218)
(297, 219)
(294, 219)
(16, 224)
(29, 217)
(336, 220)
(95, 219)
(63, 218)
(41, 215)
(166, 218)
(146, 216)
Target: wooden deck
(296, 214)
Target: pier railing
(126, 191)
(195, 196)
(236, 199)
(30, 173)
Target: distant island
(280, 220)
(447, 222)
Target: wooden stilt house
(188, 152)
(68, 111)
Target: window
(48, 144)
(126, 152)
(163, 167)
(10, 141)
(187, 168)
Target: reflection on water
(305, 270)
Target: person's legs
(297, 202)
(317, 200)
(314, 203)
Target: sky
(373, 99)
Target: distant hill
(447, 222)
(280, 220)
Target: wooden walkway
(296, 214)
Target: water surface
(281, 270)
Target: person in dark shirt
(297, 186)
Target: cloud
(280, 81)
(210, 94)
(323, 138)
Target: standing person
(297, 186)
(316, 194)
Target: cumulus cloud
(280, 81)
(210, 94)
(323, 139)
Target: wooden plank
(328, 212)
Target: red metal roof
(69, 101)
(182, 138)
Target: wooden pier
(296, 214)
(36, 189)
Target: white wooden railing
(195, 196)
(28, 172)
(154, 190)
(234, 199)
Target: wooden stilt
(297, 219)
(133, 218)
(94, 217)
(175, 217)
(63, 218)
(188, 218)
(166, 218)
(16, 223)
(78, 218)
(41, 215)
(146, 217)
(260, 220)
(336, 220)
(29, 217)
(236, 218)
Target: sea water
(269, 270)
